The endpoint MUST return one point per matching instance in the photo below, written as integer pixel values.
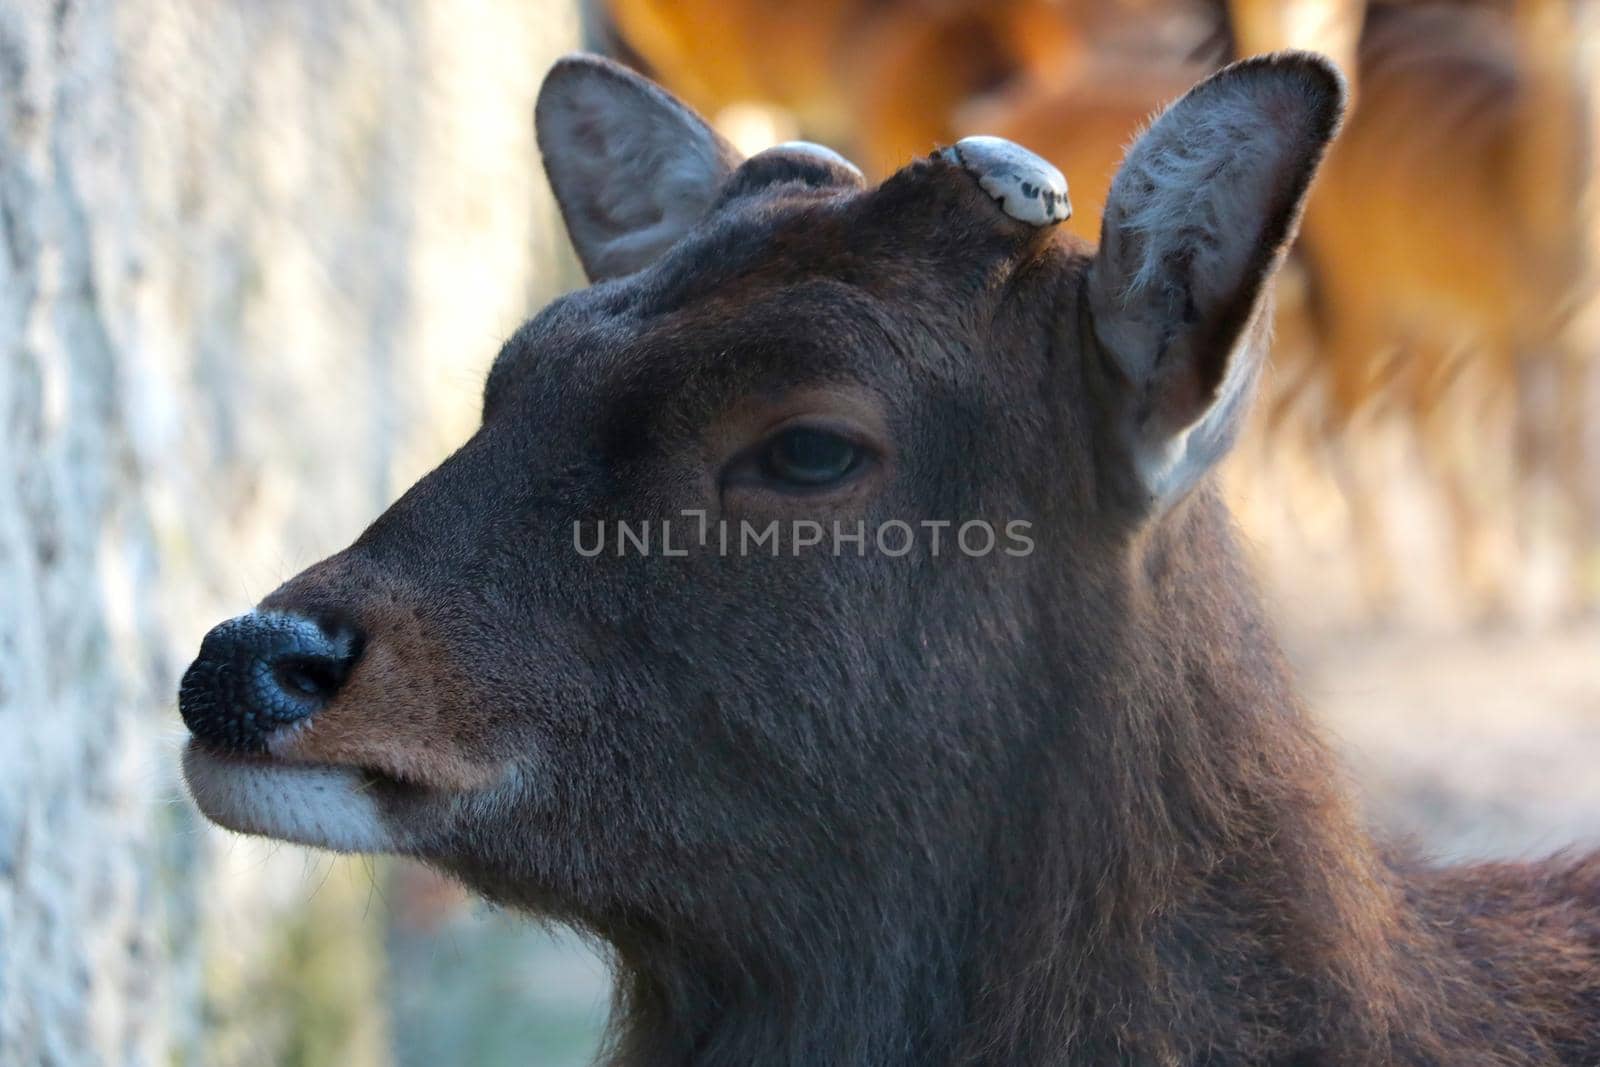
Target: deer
(847, 804)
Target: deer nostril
(262, 671)
(309, 679)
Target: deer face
(879, 451)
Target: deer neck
(1207, 883)
(1171, 866)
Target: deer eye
(808, 458)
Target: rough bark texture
(255, 258)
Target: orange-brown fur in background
(1452, 228)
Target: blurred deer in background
(1453, 229)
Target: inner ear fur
(1196, 222)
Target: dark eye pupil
(810, 457)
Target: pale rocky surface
(255, 261)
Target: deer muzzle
(260, 672)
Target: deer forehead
(802, 271)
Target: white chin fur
(327, 807)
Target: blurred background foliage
(257, 257)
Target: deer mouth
(325, 805)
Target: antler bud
(1024, 185)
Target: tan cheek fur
(401, 713)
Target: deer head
(786, 771)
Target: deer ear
(632, 168)
(1196, 222)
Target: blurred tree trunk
(254, 259)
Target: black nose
(262, 671)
